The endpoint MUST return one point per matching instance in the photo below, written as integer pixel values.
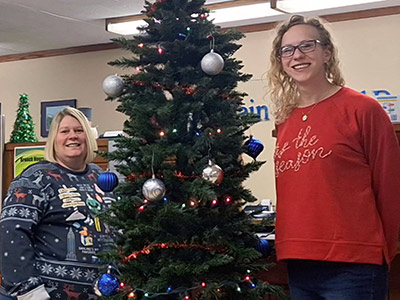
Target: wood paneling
(58, 52)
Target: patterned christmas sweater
(50, 234)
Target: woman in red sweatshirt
(337, 167)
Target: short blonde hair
(91, 144)
(283, 90)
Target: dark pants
(320, 280)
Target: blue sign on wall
(261, 110)
(389, 102)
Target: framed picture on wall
(48, 110)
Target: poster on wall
(26, 156)
(390, 103)
(392, 107)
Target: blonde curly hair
(282, 88)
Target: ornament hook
(152, 165)
(212, 41)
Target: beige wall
(369, 50)
(77, 76)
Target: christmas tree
(23, 126)
(180, 229)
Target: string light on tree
(132, 295)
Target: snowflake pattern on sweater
(50, 233)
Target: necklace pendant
(304, 118)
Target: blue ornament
(107, 181)
(108, 284)
(264, 247)
(254, 147)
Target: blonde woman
(49, 231)
(337, 163)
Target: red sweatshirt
(338, 182)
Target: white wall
(369, 50)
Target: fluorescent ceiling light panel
(220, 16)
(295, 6)
(241, 13)
(126, 28)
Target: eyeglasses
(304, 47)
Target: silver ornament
(213, 173)
(113, 86)
(212, 63)
(153, 189)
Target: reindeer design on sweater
(69, 290)
(55, 175)
(20, 195)
(38, 179)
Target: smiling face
(70, 144)
(304, 68)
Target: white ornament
(153, 189)
(168, 95)
(212, 63)
(113, 86)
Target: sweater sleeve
(383, 154)
(22, 211)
